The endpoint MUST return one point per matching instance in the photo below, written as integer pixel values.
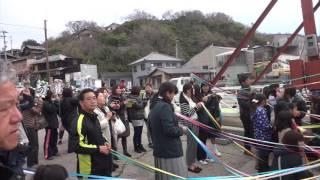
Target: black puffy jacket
(50, 111)
(136, 111)
(69, 111)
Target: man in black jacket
(300, 106)
(244, 96)
(93, 152)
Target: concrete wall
(243, 63)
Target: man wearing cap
(244, 95)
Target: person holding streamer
(211, 101)
(189, 108)
(262, 129)
(166, 133)
(93, 151)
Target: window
(174, 64)
(157, 64)
(205, 67)
(168, 64)
(74, 62)
(134, 69)
(175, 82)
(143, 67)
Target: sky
(23, 19)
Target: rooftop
(180, 70)
(58, 57)
(154, 56)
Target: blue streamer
(208, 152)
(32, 172)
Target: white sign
(98, 83)
(88, 71)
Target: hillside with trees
(143, 33)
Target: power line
(29, 27)
(20, 25)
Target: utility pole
(11, 45)
(4, 44)
(47, 53)
(177, 48)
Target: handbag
(41, 122)
(119, 127)
(147, 110)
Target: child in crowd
(262, 129)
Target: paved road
(230, 154)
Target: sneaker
(203, 162)
(218, 153)
(142, 148)
(115, 158)
(127, 154)
(137, 151)
(210, 160)
(195, 170)
(115, 165)
(50, 158)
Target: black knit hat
(243, 77)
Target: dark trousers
(148, 131)
(124, 144)
(247, 126)
(263, 161)
(101, 168)
(32, 157)
(50, 142)
(69, 139)
(201, 154)
(137, 135)
(104, 169)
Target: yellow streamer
(219, 127)
(210, 116)
(153, 168)
(311, 126)
(247, 151)
(313, 177)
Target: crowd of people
(96, 120)
(274, 115)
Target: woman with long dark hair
(117, 104)
(189, 108)
(212, 103)
(166, 132)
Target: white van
(180, 82)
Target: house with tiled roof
(142, 67)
